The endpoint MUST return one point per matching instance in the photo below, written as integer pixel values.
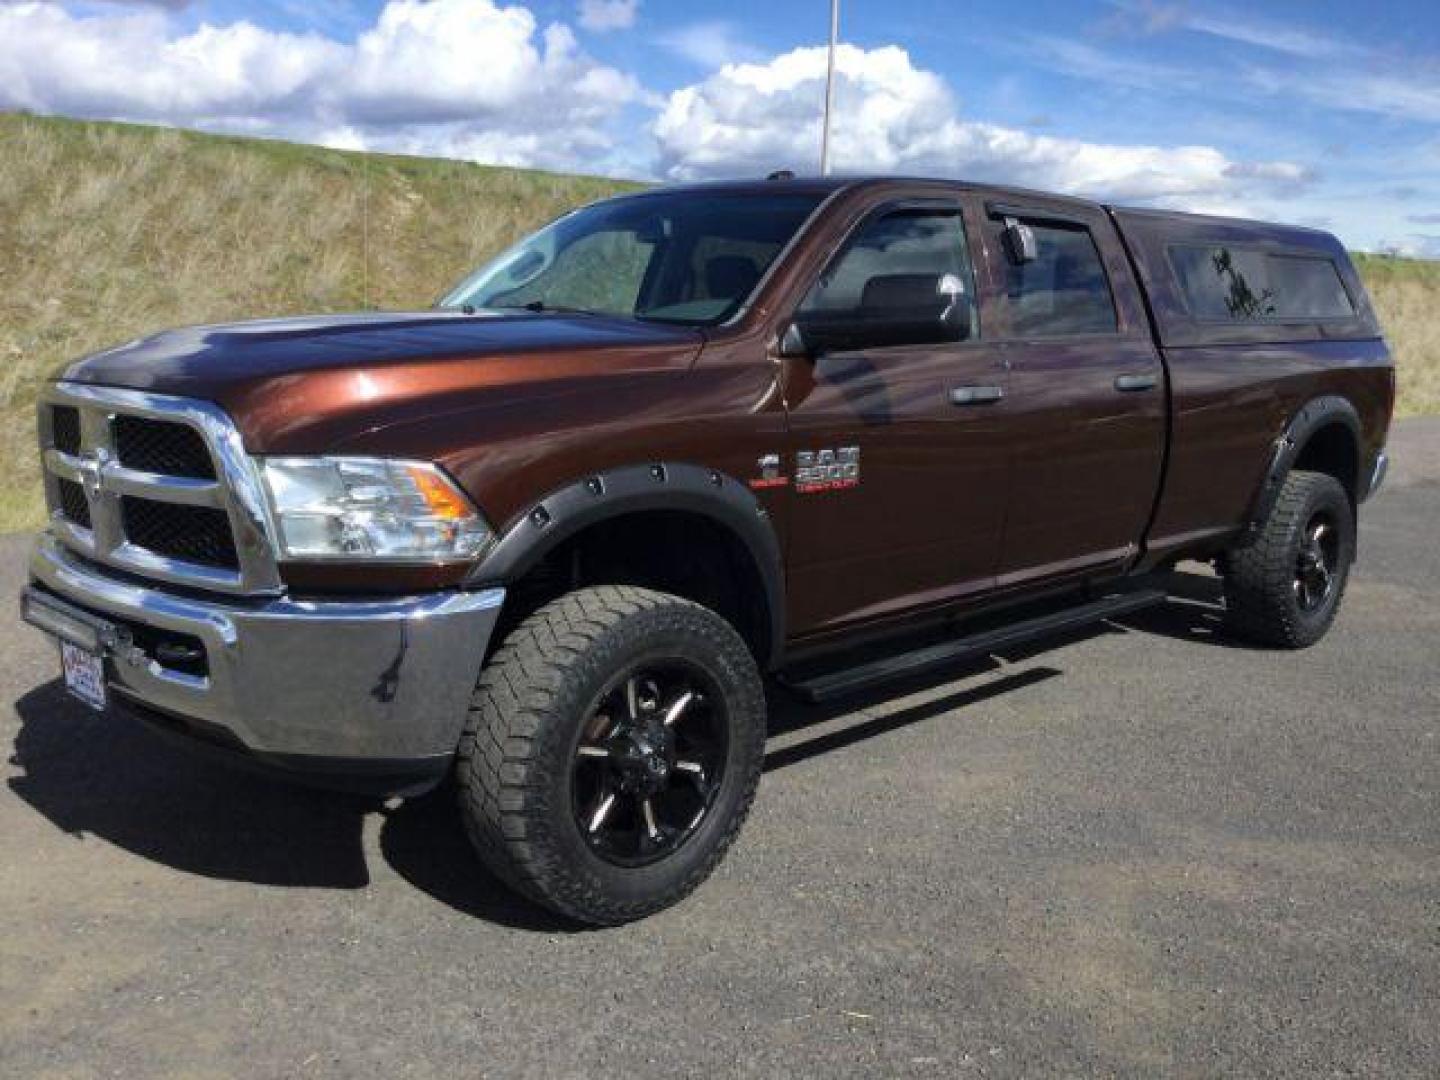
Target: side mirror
(1020, 244)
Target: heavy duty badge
(827, 470)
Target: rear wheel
(613, 748)
(1285, 588)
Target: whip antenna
(829, 88)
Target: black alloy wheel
(1316, 562)
(650, 760)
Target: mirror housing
(792, 341)
(1020, 244)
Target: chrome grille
(155, 485)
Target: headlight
(352, 508)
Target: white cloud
(172, 4)
(1414, 246)
(603, 15)
(1278, 37)
(1280, 174)
(1327, 72)
(1077, 59)
(1143, 17)
(127, 64)
(464, 76)
(894, 117)
(711, 44)
(447, 60)
(1149, 17)
(1412, 94)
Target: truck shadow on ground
(108, 777)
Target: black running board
(838, 684)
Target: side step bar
(837, 684)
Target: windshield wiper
(544, 307)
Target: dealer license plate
(84, 674)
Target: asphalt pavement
(1141, 850)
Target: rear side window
(1064, 290)
(1307, 288)
(1243, 285)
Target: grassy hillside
(1406, 293)
(108, 231)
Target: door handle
(1136, 382)
(976, 395)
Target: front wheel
(612, 751)
(1285, 588)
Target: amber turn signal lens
(444, 501)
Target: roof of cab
(829, 185)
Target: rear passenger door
(1086, 392)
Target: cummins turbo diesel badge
(827, 470)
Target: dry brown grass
(109, 231)
(1406, 294)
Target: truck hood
(198, 360)
(304, 384)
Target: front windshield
(685, 257)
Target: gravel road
(1141, 850)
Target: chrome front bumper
(385, 680)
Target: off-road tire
(1261, 601)
(515, 762)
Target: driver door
(896, 427)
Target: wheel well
(679, 552)
(1332, 450)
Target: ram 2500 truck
(548, 537)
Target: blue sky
(1323, 113)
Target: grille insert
(65, 428)
(73, 504)
(159, 446)
(196, 534)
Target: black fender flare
(676, 486)
(1317, 413)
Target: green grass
(110, 231)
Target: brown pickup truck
(548, 538)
